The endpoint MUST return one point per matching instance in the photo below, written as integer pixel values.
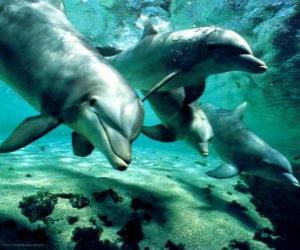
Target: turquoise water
(189, 208)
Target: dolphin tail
(223, 171)
(159, 133)
(28, 131)
(81, 146)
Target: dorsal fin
(149, 30)
(240, 110)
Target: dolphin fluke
(28, 131)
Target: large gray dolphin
(45, 60)
(242, 150)
(185, 58)
(179, 121)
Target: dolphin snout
(203, 149)
(290, 179)
(252, 64)
(121, 147)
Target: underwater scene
(150, 124)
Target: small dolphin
(185, 59)
(242, 150)
(45, 60)
(179, 121)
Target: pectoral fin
(193, 92)
(108, 51)
(163, 82)
(28, 131)
(159, 133)
(81, 146)
(223, 171)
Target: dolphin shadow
(119, 212)
(215, 202)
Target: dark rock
(93, 221)
(28, 175)
(147, 216)
(65, 195)
(239, 245)
(79, 201)
(10, 224)
(38, 207)
(208, 191)
(241, 187)
(138, 204)
(72, 219)
(172, 246)
(104, 218)
(266, 236)
(132, 232)
(101, 196)
(281, 205)
(88, 238)
(237, 206)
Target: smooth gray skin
(242, 150)
(179, 121)
(194, 53)
(45, 60)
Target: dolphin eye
(92, 101)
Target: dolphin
(179, 121)
(48, 63)
(184, 58)
(242, 150)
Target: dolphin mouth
(204, 154)
(252, 64)
(118, 147)
(291, 179)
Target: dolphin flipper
(163, 82)
(28, 131)
(159, 133)
(193, 92)
(108, 51)
(81, 146)
(223, 171)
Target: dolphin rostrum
(46, 61)
(242, 150)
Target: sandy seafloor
(173, 182)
